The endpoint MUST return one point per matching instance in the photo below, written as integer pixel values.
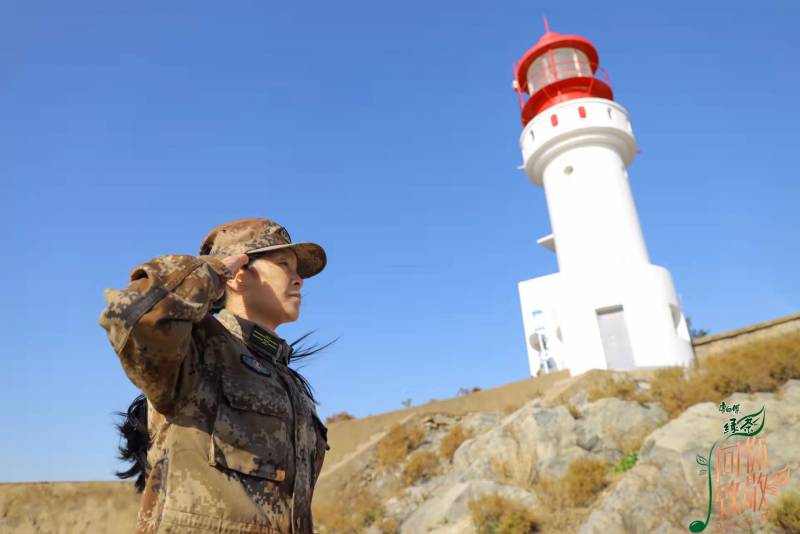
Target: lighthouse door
(614, 335)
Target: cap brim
(311, 257)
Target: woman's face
(273, 287)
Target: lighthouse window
(559, 64)
(540, 74)
(571, 63)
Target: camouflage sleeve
(150, 322)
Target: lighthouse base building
(608, 307)
(580, 323)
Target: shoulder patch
(254, 364)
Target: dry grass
(389, 525)
(620, 388)
(519, 470)
(584, 480)
(399, 442)
(573, 410)
(421, 464)
(569, 499)
(786, 513)
(493, 514)
(453, 439)
(763, 365)
(632, 441)
(363, 509)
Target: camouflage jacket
(237, 445)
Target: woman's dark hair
(133, 426)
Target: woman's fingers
(234, 263)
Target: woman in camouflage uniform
(232, 441)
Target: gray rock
(551, 439)
(610, 426)
(535, 434)
(449, 509)
(664, 492)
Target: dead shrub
(494, 514)
(340, 416)
(676, 390)
(451, 441)
(573, 410)
(518, 470)
(421, 464)
(620, 388)
(389, 525)
(786, 513)
(584, 481)
(398, 443)
(762, 365)
(631, 441)
(363, 509)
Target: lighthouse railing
(556, 71)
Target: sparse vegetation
(362, 510)
(786, 513)
(696, 332)
(467, 391)
(421, 464)
(494, 514)
(631, 441)
(584, 480)
(340, 416)
(763, 365)
(519, 470)
(451, 441)
(573, 410)
(390, 525)
(399, 442)
(627, 462)
(621, 388)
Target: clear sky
(388, 133)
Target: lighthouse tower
(608, 307)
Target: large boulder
(550, 438)
(544, 436)
(664, 492)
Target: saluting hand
(234, 263)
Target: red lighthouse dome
(556, 69)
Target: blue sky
(388, 133)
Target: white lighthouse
(608, 307)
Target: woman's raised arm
(149, 323)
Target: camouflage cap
(256, 234)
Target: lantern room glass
(569, 63)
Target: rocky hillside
(601, 452)
(588, 466)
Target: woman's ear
(240, 280)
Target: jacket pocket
(251, 432)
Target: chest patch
(255, 364)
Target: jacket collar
(258, 339)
